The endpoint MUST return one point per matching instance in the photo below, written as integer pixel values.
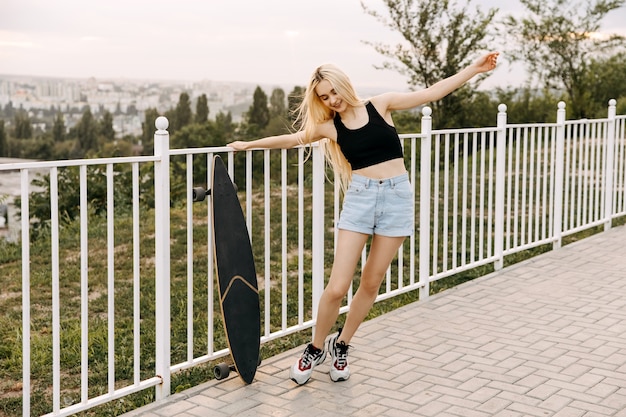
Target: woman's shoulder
(326, 129)
(380, 103)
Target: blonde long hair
(313, 111)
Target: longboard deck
(237, 280)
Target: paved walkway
(546, 337)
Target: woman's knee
(371, 284)
(334, 292)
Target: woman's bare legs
(382, 251)
(348, 252)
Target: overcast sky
(261, 41)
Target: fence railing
(144, 294)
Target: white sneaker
(301, 371)
(339, 370)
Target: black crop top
(371, 144)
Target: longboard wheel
(221, 371)
(199, 193)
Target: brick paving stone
(239, 406)
(543, 392)
(464, 374)
(464, 412)
(205, 411)
(507, 413)
(370, 410)
(432, 408)
(208, 402)
(522, 371)
(528, 410)
(459, 402)
(580, 395)
(393, 412)
(363, 401)
(569, 412)
(397, 404)
(556, 402)
(494, 405)
(483, 394)
(616, 401)
(595, 408)
(603, 390)
(543, 337)
(422, 398)
(531, 381)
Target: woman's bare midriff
(387, 169)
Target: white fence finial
(502, 108)
(561, 113)
(612, 112)
(161, 123)
(427, 111)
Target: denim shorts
(381, 207)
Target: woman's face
(330, 97)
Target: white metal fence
(481, 194)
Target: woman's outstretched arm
(286, 141)
(404, 101)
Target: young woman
(361, 143)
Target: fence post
(559, 168)
(318, 228)
(162, 255)
(500, 181)
(26, 307)
(424, 209)
(609, 166)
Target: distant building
(38, 95)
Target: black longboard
(236, 275)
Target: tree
(23, 128)
(170, 115)
(606, 79)
(224, 123)
(440, 39)
(58, 128)
(278, 122)
(258, 113)
(293, 101)
(556, 40)
(529, 105)
(278, 103)
(149, 129)
(106, 127)
(131, 110)
(194, 136)
(9, 110)
(202, 109)
(86, 131)
(184, 116)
